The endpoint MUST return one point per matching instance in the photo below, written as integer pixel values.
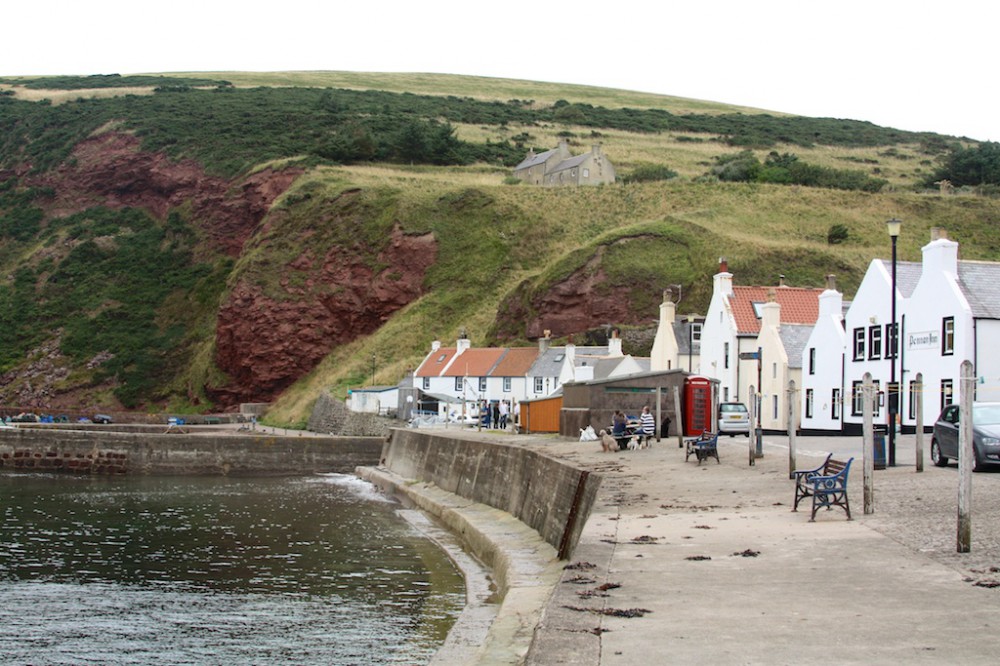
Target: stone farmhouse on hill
(557, 167)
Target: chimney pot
(723, 265)
(831, 282)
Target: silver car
(734, 419)
(985, 435)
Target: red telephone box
(697, 406)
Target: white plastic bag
(587, 434)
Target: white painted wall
(827, 342)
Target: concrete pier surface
(681, 563)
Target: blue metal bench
(703, 446)
(826, 484)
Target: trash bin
(879, 457)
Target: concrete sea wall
(548, 495)
(165, 454)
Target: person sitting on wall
(647, 425)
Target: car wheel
(936, 456)
(977, 464)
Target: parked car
(103, 419)
(734, 419)
(985, 435)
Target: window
(809, 403)
(725, 394)
(458, 384)
(725, 355)
(812, 360)
(538, 384)
(756, 308)
(774, 406)
(859, 344)
(774, 371)
(427, 383)
(506, 384)
(875, 342)
(482, 384)
(835, 404)
(857, 398)
(586, 173)
(947, 392)
(913, 400)
(947, 336)
(892, 340)
(696, 332)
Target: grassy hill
(499, 245)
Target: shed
(541, 415)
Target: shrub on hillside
(646, 173)
(837, 234)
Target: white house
(738, 351)
(947, 311)
(822, 385)
(677, 340)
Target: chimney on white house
(831, 282)
(940, 256)
(544, 342)
(435, 345)
(463, 343)
(665, 343)
(770, 312)
(615, 344)
(831, 301)
(723, 280)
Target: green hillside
(428, 156)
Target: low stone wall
(178, 454)
(330, 415)
(550, 496)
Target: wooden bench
(703, 446)
(826, 484)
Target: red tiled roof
(799, 305)
(435, 362)
(475, 362)
(516, 362)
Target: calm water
(141, 570)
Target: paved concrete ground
(682, 564)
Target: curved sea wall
(516, 510)
(78, 452)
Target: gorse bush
(787, 169)
(645, 173)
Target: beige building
(558, 167)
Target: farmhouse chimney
(781, 280)
(831, 282)
(463, 343)
(940, 256)
(770, 313)
(937, 233)
(664, 349)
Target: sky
(911, 65)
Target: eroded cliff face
(264, 343)
(111, 170)
(583, 300)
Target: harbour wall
(71, 451)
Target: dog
(635, 443)
(608, 443)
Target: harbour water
(139, 570)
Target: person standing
(504, 414)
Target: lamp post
(373, 369)
(690, 319)
(893, 226)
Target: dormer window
(560, 357)
(756, 308)
(441, 358)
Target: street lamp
(690, 339)
(893, 226)
(373, 369)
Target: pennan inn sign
(923, 340)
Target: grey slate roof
(907, 275)
(570, 163)
(547, 364)
(980, 282)
(540, 158)
(681, 335)
(794, 338)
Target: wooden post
(791, 429)
(918, 395)
(680, 419)
(659, 416)
(966, 456)
(868, 433)
(753, 425)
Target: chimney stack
(937, 233)
(544, 342)
(781, 280)
(831, 282)
(723, 265)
